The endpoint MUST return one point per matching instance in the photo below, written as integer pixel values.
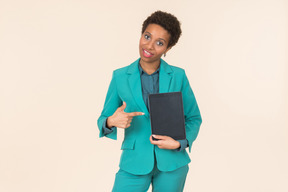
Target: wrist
(109, 122)
(178, 145)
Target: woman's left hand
(165, 142)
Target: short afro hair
(166, 20)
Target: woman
(162, 162)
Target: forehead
(157, 31)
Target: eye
(159, 43)
(146, 36)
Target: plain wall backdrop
(56, 62)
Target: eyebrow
(158, 38)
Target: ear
(168, 48)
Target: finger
(161, 137)
(121, 108)
(158, 143)
(155, 142)
(152, 141)
(133, 114)
(124, 126)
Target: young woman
(164, 162)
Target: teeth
(147, 52)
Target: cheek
(161, 50)
(141, 42)
(140, 47)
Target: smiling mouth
(147, 53)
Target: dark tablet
(167, 114)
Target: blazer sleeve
(193, 118)
(112, 102)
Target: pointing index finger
(133, 114)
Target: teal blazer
(137, 152)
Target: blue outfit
(140, 159)
(150, 85)
(172, 181)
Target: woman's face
(153, 43)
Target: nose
(150, 45)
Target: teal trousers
(171, 181)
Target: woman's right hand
(121, 119)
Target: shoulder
(174, 69)
(178, 70)
(120, 71)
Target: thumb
(122, 107)
(161, 137)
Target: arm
(112, 115)
(106, 130)
(193, 118)
(112, 102)
(183, 144)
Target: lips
(147, 53)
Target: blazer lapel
(164, 77)
(136, 87)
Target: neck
(149, 68)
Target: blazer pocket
(128, 144)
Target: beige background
(56, 62)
